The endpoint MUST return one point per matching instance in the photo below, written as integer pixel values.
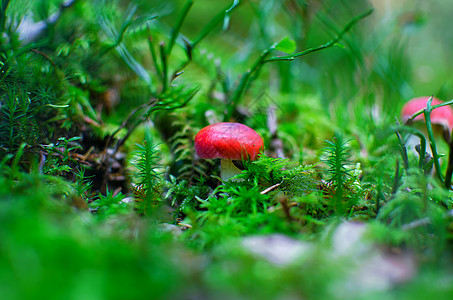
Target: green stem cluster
(259, 63)
(427, 114)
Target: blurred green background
(51, 248)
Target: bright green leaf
(286, 45)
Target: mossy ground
(102, 195)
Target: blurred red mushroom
(229, 142)
(441, 117)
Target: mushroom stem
(228, 169)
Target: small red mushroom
(440, 117)
(228, 141)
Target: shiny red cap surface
(228, 141)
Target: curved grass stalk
(432, 142)
(254, 70)
(177, 28)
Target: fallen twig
(423, 222)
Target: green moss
(102, 195)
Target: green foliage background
(102, 195)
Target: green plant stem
(244, 81)
(163, 57)
(190, 46)
(150, 104)
(449, 172)
(422, 138)
(120, 35)
(153, 53)
(396, 183)
(16, 161)
(326, 45)
(403, 150)
(219, 17)
(171, 104)
(243, 84)
(432, 141)
(4, 7)
(177, 28)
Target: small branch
(152, 102)
(270, 188)
(125, 123)
(326, 45)
(422, 138)
(246, 78)
(44, 55)
(286, 206)
(416, 223)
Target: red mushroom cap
(441, 115)
(228, 141)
